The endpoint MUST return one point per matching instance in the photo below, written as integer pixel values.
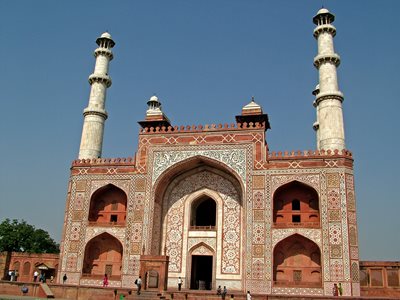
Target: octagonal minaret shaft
(95, 114)
(328, 100)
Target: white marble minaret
(95, 114)
(328, 98)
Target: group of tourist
(337, 289)
(138, 282)
(13, 275)
(223, 291)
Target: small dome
(323, 11)
(252, 108)
(106, 35)
(252, 105)
(154, 98)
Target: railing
(297, 224)
(100, 276)
(202, 228)
(106, 224)
(202, 128)
(297, 283)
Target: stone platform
(12, 291)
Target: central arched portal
(199, 217)
(201, 271)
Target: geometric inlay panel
(335, 234)
(234, 158)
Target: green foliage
(21, 237)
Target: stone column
(328, 100)
(95, 114)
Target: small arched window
(296, 204)
(27, 268)
(203, 212)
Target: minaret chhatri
(328, 98)
(95, 114)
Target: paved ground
(10, 297)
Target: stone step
(46, 290)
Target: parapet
(201, 128)
(127, 161)
(309, 154)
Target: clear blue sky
(204, 59)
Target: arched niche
(172, 177)
(201, 267)
(203, 213)
(103, 255)
(297, 262)
(27, 269)
(296, 204)
(108, 206)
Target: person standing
(340, 289)
(105, 280)
(12, 277)
(335, 290)
(224, 292)
(248, 295)
(24, 289)
(179, 283)
(219, 290)
(65, 278)
(138, 282)
(35, 276)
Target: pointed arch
(108, 206)
(296, 204)
(297, 262)
(203, 213)
(192, 163)
(103, 255)
(201, 249)
(172, 177)
(201, 266)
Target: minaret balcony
(324, 58)
(95, 111)
(103, 51)
(324, 28)
(338, 95)
(102, 78)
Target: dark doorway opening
(204, 212)
(201, 276)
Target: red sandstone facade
(224, 209)
(25, 264)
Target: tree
(18, 236)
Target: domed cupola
(252, 112)
(154, 114)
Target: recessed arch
(27, 268)
(193, 163)
(108, 206)
(296, 204)
(297, 262)
(203, 212)
(103, 255)
(201, 267)
(172, 177)
(171, 221)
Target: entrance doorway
(201, 275)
